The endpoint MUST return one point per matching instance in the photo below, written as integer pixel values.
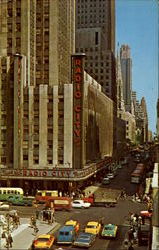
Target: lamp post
(69, 183)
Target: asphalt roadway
(117, 215)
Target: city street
(79, 124)
(118, 215)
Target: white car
(110, 175)
(80, 204)
(4, 206)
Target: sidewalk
(24, 234)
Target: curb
(55, 228)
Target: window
(48, 194)
(96, 38)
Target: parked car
(109, 230)
(119, 166)
(4, 206)
(66, 235)
(80, 204)
(73, 223)
(84, 240)
(110, 175)
(19, 201)
(106, 181)
(43, 241)
(93, 227)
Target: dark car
(17, 201)
(84, 240)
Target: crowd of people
(136, 221)
(45, 215)
(13, 220)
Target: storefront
(62, 179)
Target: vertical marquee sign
(78, 81)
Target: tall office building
(95, 36)
(31, 28)
(141, 117)
(37, 39)
(145, 125)
(119, 80)
(126, 68)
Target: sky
(137, 25)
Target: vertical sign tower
(78, 95)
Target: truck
(66, 235)
(102, 196)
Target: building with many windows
(95, 36)
(126, 69)
(141, 117)
(55, 122)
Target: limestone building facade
(37, 99)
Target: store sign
(58, 174)
(78, 81)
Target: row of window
(9, 192)
(81, 21)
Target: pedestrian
(37, 214)
(9, 240)
(44, 215)
(52, 217)
(101, 221)
(3, 235)
(49, 217)
(130, 247)
(131, 218)
(33, 221)
(139, 220)
(135, 236)
(133, 197)
(143, 220)
(136, 216)
(126, 242)
(18, 220)
(130, 235)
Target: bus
(44, 195)
(138, 174)
(8, 192)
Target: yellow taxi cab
(73, 223)
(93, 227)
(43, 241)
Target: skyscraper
(95, 36)
(119, 80)
(145, 125)
(126, 68)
